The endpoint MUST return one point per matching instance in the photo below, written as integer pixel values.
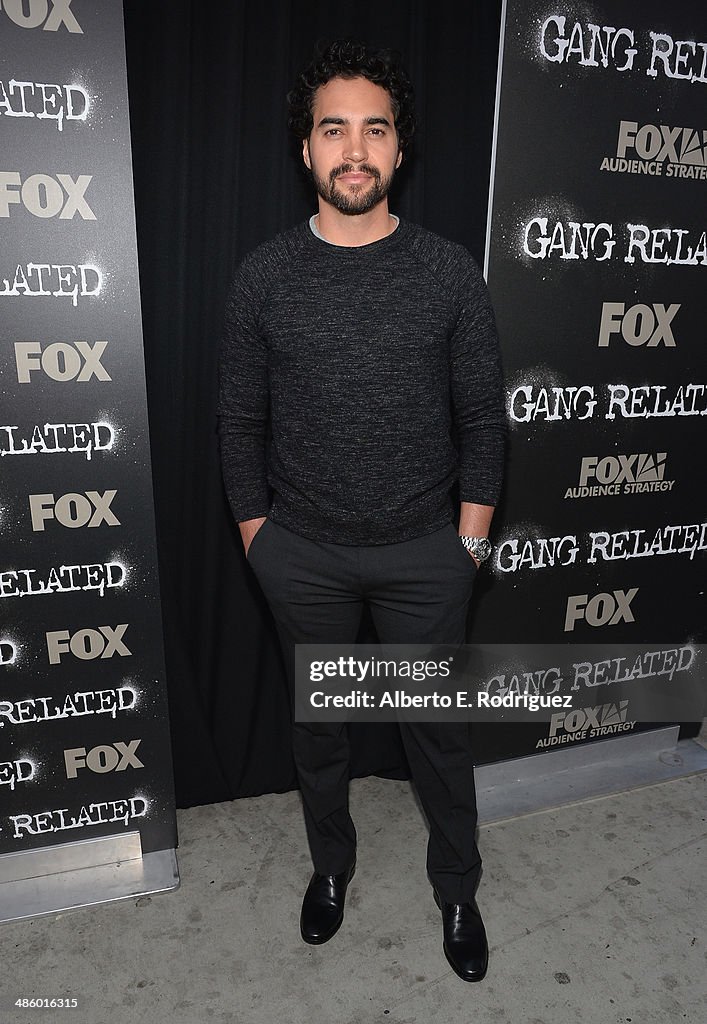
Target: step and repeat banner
(84, 741)
(597, 265)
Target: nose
(355, 149)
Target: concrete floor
(595, 914)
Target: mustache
(350, 169)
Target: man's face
(352, 151)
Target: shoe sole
(330, 935)
(464, 977)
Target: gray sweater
(359, 383)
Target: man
(361, 341)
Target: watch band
(479, 547)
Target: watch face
(482, 549)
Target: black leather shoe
(465, 945)
(323, 906)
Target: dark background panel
(215, 175)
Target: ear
(399, 160)
(305, 154)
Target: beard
(356, 199)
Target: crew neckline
(317, 239)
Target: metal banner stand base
(83, 874)
(569, 775)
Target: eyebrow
(343, 120)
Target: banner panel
(83, 718)
(596, 261)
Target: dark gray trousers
(418, 592)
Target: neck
(352, 230)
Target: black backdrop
(215, 175)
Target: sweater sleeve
(243, 406)
(477, 391)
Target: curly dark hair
(344, 58)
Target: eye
(376, 131)
(332, 131)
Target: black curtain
(215, 175)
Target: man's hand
(475, 521)
(249, 528)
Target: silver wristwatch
(479, 547)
